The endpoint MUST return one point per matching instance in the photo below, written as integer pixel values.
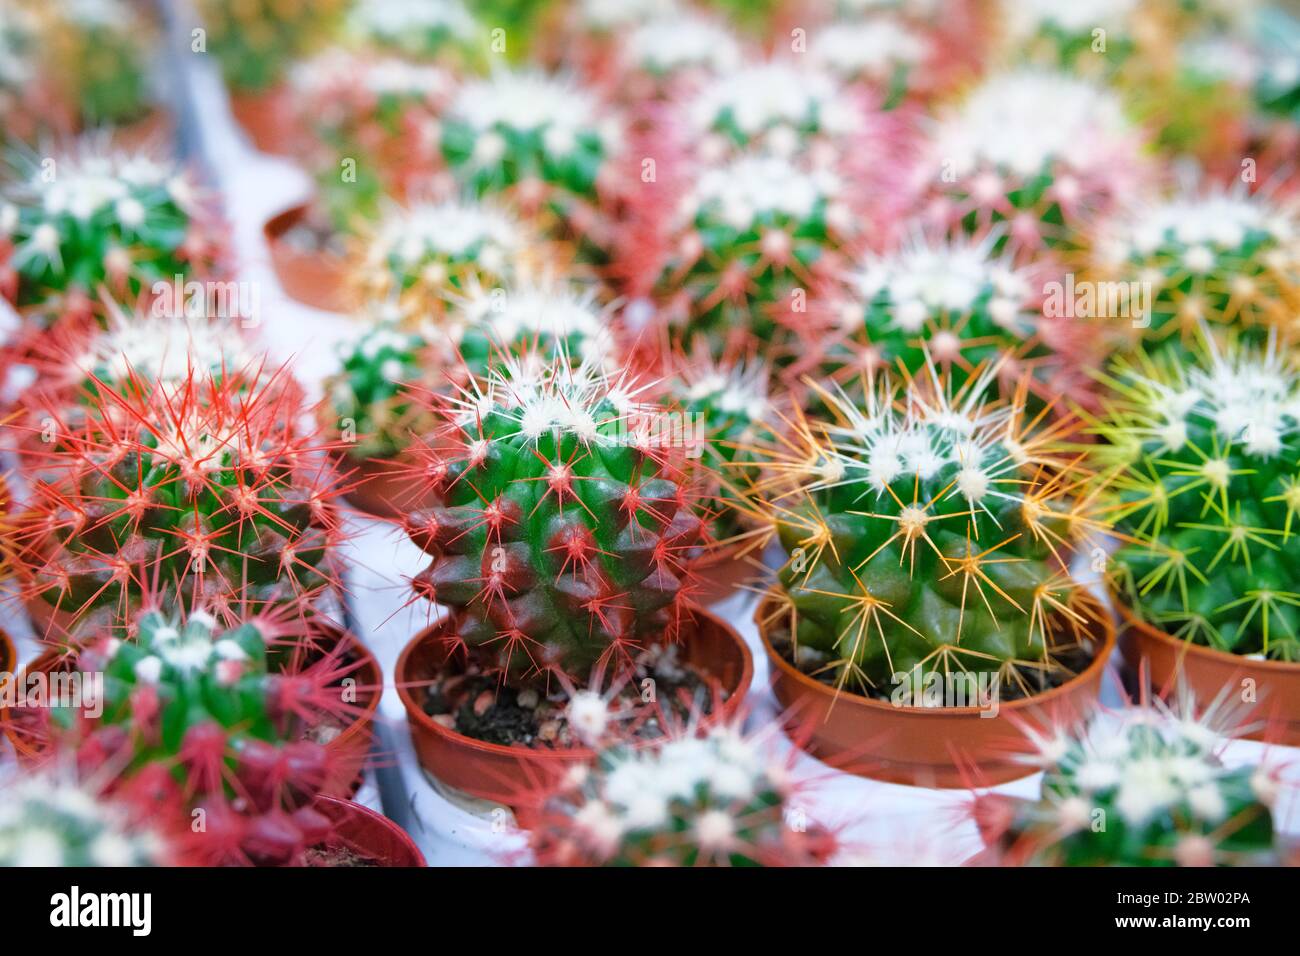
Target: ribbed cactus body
(933, 541)
(567, 527)
(46, 820)
(1204, 466)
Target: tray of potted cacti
(926, 618)
(256, 763)
(562, 553)
(1200, 462)
(1145, 786)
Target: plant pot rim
(1187, 648)
(8, 652)
(377, 819)
(1094, 668)
(416, 713)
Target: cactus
(699, 798)
(1065, 35)
(392, 380)
(545, 143)
(19, 68)
(929, 534)
(954, 302)
(667, 54)
(437, 30)
(727, 412)
(1145, 787)
(210, 489)
(255, 41)
(568, 525)
(1212, 256)
(53, 819)
(1041, 151)
(881, 51)
(96, 216)
(230, 725)
(419, 256)
(374, 125)
(752, 254)
(97, 54)
(1202, 463)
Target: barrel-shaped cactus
(1203, 463)
(568, 524)
(374, 125)
(1093, 38)
(367, 399)
(1038, 150)
(752, 253)
(883, 51)
(422, 255)
(543, 142)
(256, 41)
(229, 725)
(1211, 256)
(672, 55)
(437, 30)
(928, 535)
(96, 53)
(99, 216)
(53, 819)
(1146, 787)
(707, 798)
(952, 302)
(211, 490)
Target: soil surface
(476, 704)
(336, 856)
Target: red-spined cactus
(698, 798)
(1040, 151)
(95, 215)
(224, 728)
(211, 488)
(568, 524)
(374, 126)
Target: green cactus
(209, 489)
(701, 799)
(46, 820)
(97, 217)
(928, 542)
(367, 394)
(1054, 35)
(568, 525)
(757, 239)
(1143, 789)
(421, 256)
(433, 30)
(98, 54)
(953, 302)
(1225, 258)
(256, 41)
(1203, 467)
(544, 143)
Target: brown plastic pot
(268, 119)
(507, 775)
(353, 741)
(8, 653)
(369, 834)
(925, 746)
(722, 572)
(1206, 672)
(314, 278)
(382, 488)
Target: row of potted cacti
(935, 458)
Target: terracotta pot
(268, 119)
(506, 775)
(8, 654)
(312, 277)
(353, 741)
(381, 488)
(924, 746)
(722, 572)
(1276, 716)
(370, 834)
